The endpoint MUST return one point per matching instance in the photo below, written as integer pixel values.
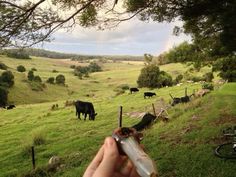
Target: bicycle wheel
(225, 151)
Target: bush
(3, 96)
(60, 79)
(208, 77)
(7, 79)
(94, 67)
(179, 78)
(152, 77)
(54, 71)
(208, 86)
(37, 79)
(3, 66)
(73, 66)
(33, 69)
(31, 75)
(51, 80)
(21, 68)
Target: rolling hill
(182, 147)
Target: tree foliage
(210, 23)
(7, 79)
(227, 68)
(31, 75)
(152, 77)
(21, 68)
(3, 66)
(3, 96)
(60, 79)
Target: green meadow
(183, 146)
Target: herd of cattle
(87, 108)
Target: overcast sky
(129, 38)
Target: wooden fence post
(120, 117)
(33, 158)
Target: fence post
(153, 107)
(33, 158)
(120, 117)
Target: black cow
(176, 100)
(11, 106)
(149, 94)
(133, 89)
(85, 108)
(145, 122)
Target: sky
(132, 37)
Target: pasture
(182, 147)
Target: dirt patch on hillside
(177, 138)
(224, 119)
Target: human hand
(109, 163)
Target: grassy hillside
(182, 147)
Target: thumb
(109, 161)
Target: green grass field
(182, 147)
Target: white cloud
(131, 37)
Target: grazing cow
(183, 99)
(145, 122)
(85, 108)
(149, 94)
(133, 89)
(11, 106)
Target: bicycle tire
(225, 151)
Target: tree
(94, 67)
(31, 75)
(227, 68)
(152, 77)
(3, 66)
(26, 23)
(37, 79)
(7, 79)
(60, 79)
(3, 96)
(21, 68)
(51, 80)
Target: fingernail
(109, 141)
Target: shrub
(37, 79)
(94, 67)
(179, 78)
(50, 80)
(33, 69)
(197, 78)
(31, 75)
(3, 96)
(54, 71)
(7, 79)
(21, 68)
(60, 79)
(152, 77)
(73, 66)
(208, 77)
(208, 86)
(3, 66)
